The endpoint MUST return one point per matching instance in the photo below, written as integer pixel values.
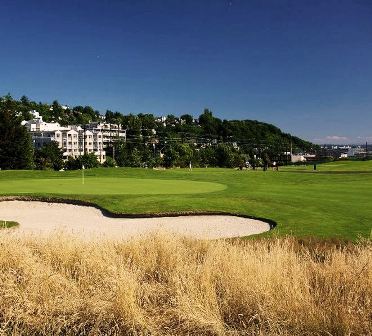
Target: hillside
(205, 140)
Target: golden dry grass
(169, 285)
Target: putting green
(107, 186)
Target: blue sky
(305, 66)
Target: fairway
(333, 201)
(107, 186)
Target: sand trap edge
(272, 224)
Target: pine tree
(16, 150)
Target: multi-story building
(73, 140)
(74, 143)
(36, 124)
(110, 132)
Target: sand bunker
(44, 219)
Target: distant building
(356, 152)
(73, 140)
(110, 132)
(297, 158)
(310, 157)
(74, 143)
(36, 124)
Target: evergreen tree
(49, 157)
(16, 150)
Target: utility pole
(366, 150)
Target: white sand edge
(46, 219)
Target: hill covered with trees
(175, 141)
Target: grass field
(169, 285)
(334, 201)
(107, 186)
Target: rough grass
(169, 285)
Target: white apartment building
(74, 143)
(110, 132)
(73, 140)
(36, 124)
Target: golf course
(331, 202)
(309, 275)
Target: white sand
(43, 219)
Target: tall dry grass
(169, 285)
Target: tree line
(170, 141)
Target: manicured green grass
(334, 201)
(339, 167)
(7, 224)
(107, 186)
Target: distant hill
(205, 135)
(186, 126)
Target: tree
(88, 161)
(211, 126)
(135, 158)
(72, 164)
(16, 150)
(24, 100)
(148, 156)
(185, 155)
(57, 111)
(171, 156)
(187, 118)
(171, 119)
(122, 152)
(208, 156)
(49, 157)
(110, 162)
(24, 106)
(225, 156)
(147, 121)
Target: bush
(110, 162)
(86, 160)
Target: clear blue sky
(305, 66)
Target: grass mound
(169, 285)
